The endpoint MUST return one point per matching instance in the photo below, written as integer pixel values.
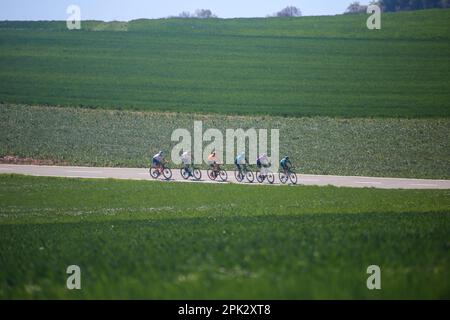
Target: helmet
(160, 152)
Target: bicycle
(216, 171)
(245, 172)
(288, 174)
(162, 169)
(267, 174)
(194, 172)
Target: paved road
(142, 174)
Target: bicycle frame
(265, 171)
(160, 167)
(216, 167)
(289, 170)
(244, 168)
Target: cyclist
(285, 164)
(212, 161)
(157, 159)
(240, 160)
(262, 162)
(186, 160)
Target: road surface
(143, 174)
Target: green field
(327, 66)
(416, 148)
(347, 101)
(170, 240)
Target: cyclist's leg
(259, 166)
(211, 166)
(162, 165)
(240, 168)
(158, 165)
(289, 170)
(187, 168)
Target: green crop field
(327, 66)
(346, 100)
(416, 148)
(169, 240)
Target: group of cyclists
(242, 170)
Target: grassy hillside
(183, 241)
(328, 66)
(417, 148)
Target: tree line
(354, 8)
(399, 5)
(289, 11)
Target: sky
(126, 10)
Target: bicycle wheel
(211, 174)
(250, 177)
(270, 178)
(223, 175)
(167, 173)
(293, 177)
(238, 175)
(259, 177)
(283, 177)
(197, 174)
(154, 172)
(184, 173)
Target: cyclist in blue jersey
(285, 164)
(240, 160)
